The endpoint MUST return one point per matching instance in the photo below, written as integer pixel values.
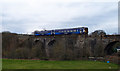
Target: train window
(70, 30)
(74, 30)
(83, 30)
(80, 31)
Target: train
(79, 30)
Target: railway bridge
(81, 41)
(60, 46)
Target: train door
(52, 32)
(81, 30)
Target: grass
(39, 64)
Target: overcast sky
(26, 16)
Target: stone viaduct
(82, 41)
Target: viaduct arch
(109, 49)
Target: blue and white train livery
(80, 30)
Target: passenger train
(80, 30)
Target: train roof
(66, 28)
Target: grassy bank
(38, 64)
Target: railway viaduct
(59, 46)
(80, 41)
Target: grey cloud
(93, 21)
(28, 20)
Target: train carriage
(81, 30)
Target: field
(39, 64)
